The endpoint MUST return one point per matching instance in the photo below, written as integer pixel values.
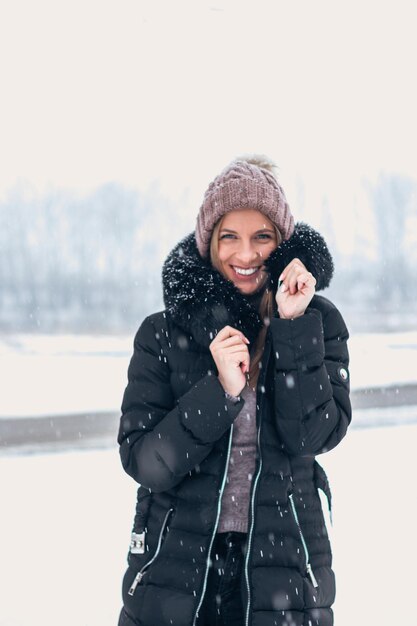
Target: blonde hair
(265, 306)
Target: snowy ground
(66, 520)
(66, 516)
(64, 374)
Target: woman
(233, 389)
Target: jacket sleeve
(161, 440)
(311, 381)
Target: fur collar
(201, 301)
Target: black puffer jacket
(175, 437)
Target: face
(246, 238)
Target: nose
(248, 253)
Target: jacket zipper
(255, 484)
(303, 541)
(141, 572)
(215, 525)
(252, 524)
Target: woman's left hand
(296, 290)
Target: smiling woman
(233, 389)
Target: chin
(250, 289)
(246, 289)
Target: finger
(284, 278)
(233, 356)
(245, 365)
(236, 350)
(291, 281)
(306, 279)
(299, 264)
(289, 267)
(236, 359)
(298, 277)
(237, 353)
(226, 331)
(229, 342)
(288, 276)
(235, 341)
(229, 331)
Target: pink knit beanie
(246, 183)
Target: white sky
(93, 91)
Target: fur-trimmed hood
(201, 301)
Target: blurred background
(114, 117)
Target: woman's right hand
(230, 352)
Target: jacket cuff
(298, 342)
(206, 411)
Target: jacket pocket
(140, 574)
(309, 569)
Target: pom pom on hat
(260, 160)
(248, 182)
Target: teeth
(247, 272)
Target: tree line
(92, 262)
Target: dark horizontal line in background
(378, 406)
(390, 395)
(77, 430)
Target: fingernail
(283, 287)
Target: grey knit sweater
(235, 500)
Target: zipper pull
(135, 583)
(310, 573)
(137, 543)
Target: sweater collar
(201, 301)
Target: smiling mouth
(246, 271)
